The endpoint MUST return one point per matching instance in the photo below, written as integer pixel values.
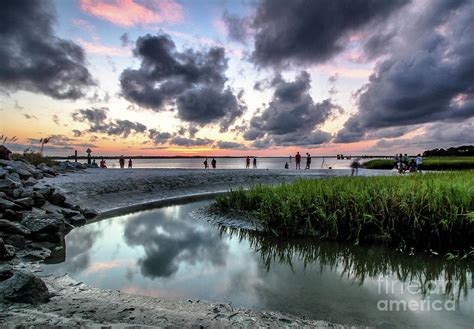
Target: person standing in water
(308, 161)
(205, 164)
(247, 162)
(298, 160)
(130, 163)
(213, 163)
(122, 162)
(355, 166)
(419, 162)
(254, 163)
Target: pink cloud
(129, 12)
(96, 48)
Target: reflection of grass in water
(359, 263)
(432, 211)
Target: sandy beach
(111, 192)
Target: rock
(77, 220)
(39, 202)
(49, 227)
(68, 213)
(26, 192)
(6, 204)
(15, 177)
(52, 209)
(37, 174)
(12, 215)
(13, 228)
(43, 189)
(35, 253)
(24, 287)
(16, 193)
(23, 173)
(46, 170)
(30, 182)
(89, 213)
(57, 198)
(8, 184)
(25, 203)
(3, 173)
(6, 251)
(18, 241)
(6, 272)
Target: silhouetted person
(355, 166)
(205, 164)
(122, 162)
(286, 165)
(213, 163)
(103, 164)
(130, 163)
(247, 162)
(308, 161)
(254, 163)
(298, 160)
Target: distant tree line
(466, 150)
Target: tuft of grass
(34, 158)
(417, 212)
(430, 163)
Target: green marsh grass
(434, 211)
(429, 163)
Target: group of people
(213, 163)
(403, 163)
(298, 161)
(247, 163)
(103, 163)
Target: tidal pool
(167, 253)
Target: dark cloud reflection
(169, 241)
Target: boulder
(26, 192)
(23, 173)
(30, 182)
(49, 227)
(6, 251)
(77, 220)
(18, 241)
(15, 177)
(24, 287)
(7, 185)
(8, 227)
(57, 198)
(3, 173)
(89, 213)
(6, 204)
(16, 193)
(12, 215)
(46, 170)
(43, 189)
(52, 209)
(25, 203)
(68, 213)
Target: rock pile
(35, 217)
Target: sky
(237, 77)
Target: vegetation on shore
(431, 163)
(417, 212)
(34, 158)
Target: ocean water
(231, 163)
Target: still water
(231, 163)
(168, 253)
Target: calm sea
(230, 163)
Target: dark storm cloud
(292, 117)
(230, 145)
(173, 242)
(237, 27)
(158, 137)
(182, 141)
(428, 76)
(33, 58)
(194, 80)
(97, 120)
(311, 31)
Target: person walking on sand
(213, 163)
(419, 162)
(254, 163)
(122, 162)
(130, 163)
(355, 166)
(308, 161)
(247, 162)
(298, 160)
(205, 164)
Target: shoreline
(118, 191)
